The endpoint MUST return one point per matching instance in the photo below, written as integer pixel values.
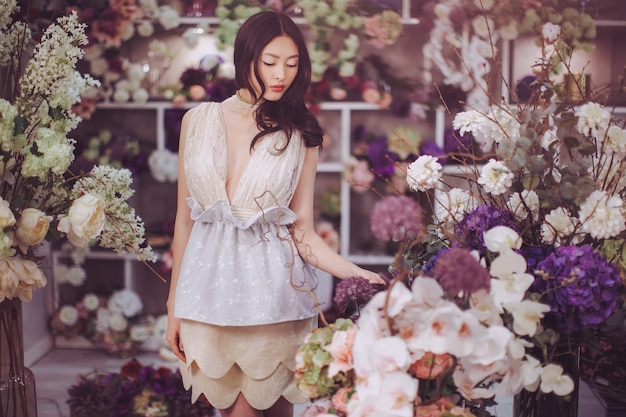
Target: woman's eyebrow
(277, 56)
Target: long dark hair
(290, 112)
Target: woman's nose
(279, 74)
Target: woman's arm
(310, 245)
(182, 230)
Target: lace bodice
(241, 266)
(268, 180)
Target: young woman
(240, 299)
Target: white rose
(32, 227)
(84, 221)
(7, 219)
(19, 278)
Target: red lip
(277, 88)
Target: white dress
(242, 285)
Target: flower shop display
(463, 45)
(109, 25)
(114, 323)
(136, 391)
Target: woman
(240, 299)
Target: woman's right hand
(172, 335)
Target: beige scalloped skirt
(258, 361)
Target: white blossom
(521, 204)
(550, 32)
(593, 120)
(423, 173)
(163, 165)
(68, 315)
(553, 380)
(495, 177)
(125, 302)
(602, 216)
(616, 140)
(558, 226)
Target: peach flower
(430, 366)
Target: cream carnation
(495, 177)
(593, 120)
(423, 173)
(602, 216)
(558, 226)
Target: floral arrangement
(114, 323)
(136, 391)
(443, 344)
(111, 23)
(464, 34)
(107, 148)
(381, 157)
(372, 81)
(375, 22)
(41, 199)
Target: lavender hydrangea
(396, 217)
(582, 287)
(469, 231)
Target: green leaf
(571, 142)
(530, 181)
(568, 191)
(20, 125)
(537, 164)
(587, 148)
(56, 113)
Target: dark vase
(17, 383)
(538, 404)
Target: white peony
(125, 302)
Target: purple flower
(396, 217)
(469, 231)
(381, 159)
(582, 287)
(356, 290)
(431, 148)
(458, 271)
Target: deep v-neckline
(224, 174)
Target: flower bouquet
(137, 391)
(446, 342)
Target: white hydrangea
(495, 177)
(163, 165)
(6, 245)
(423, 173)
(8, 7)
(13, 41)
(139, 332)
(593, 120)
(125, 302)
(520, 204)
(602, 216)
(558, 226)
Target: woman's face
(278, 66)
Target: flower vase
(17, 383)
(538, 404)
